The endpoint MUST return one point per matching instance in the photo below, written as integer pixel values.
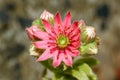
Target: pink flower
(60, 41)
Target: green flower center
(62, 41)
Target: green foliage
(88, 60)
(81, 70)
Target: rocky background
(16, 15)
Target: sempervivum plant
(67, 45)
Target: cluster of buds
(89, 39)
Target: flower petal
(67, 19)
(41, 44)
(57, 20)
(48, 26)
(45, 55)
(75, 24)
(74, 53)
(56, 59)
(71, 29)
(76, 44)
(75, 38)
(76, 29)
(75, 33)
(30, 32)
(67, 59)
(41, 35)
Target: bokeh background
(16, 15)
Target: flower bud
(34, 51)
(46, 15)
(88, 49)
(88, 34)
(30, 32)
(81, 23)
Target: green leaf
(87, 69)
(80, 75)
(83, 72)
(88, 60)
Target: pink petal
(76, 29)
(75, 37)
(75, 32)
(56, 59)
(41, 35)
(68, 30)
(52, 41)
(48, 27)
(41, 44)
(45, 55)
(57, 20)
(75, 24)
(67, 59)
(30, 32)
(71, 29)
(76, 44)
(67, 19)
(73, 53)
(70, 47)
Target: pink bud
(30, 32)
(81, 23)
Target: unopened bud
(46, 15)
(81, 23)
(93, 50)
(88, 34)
(89, 49)
(30, 32)
(34, 51)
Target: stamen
(62, 41)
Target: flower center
(62, 41)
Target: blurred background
(16, 15)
